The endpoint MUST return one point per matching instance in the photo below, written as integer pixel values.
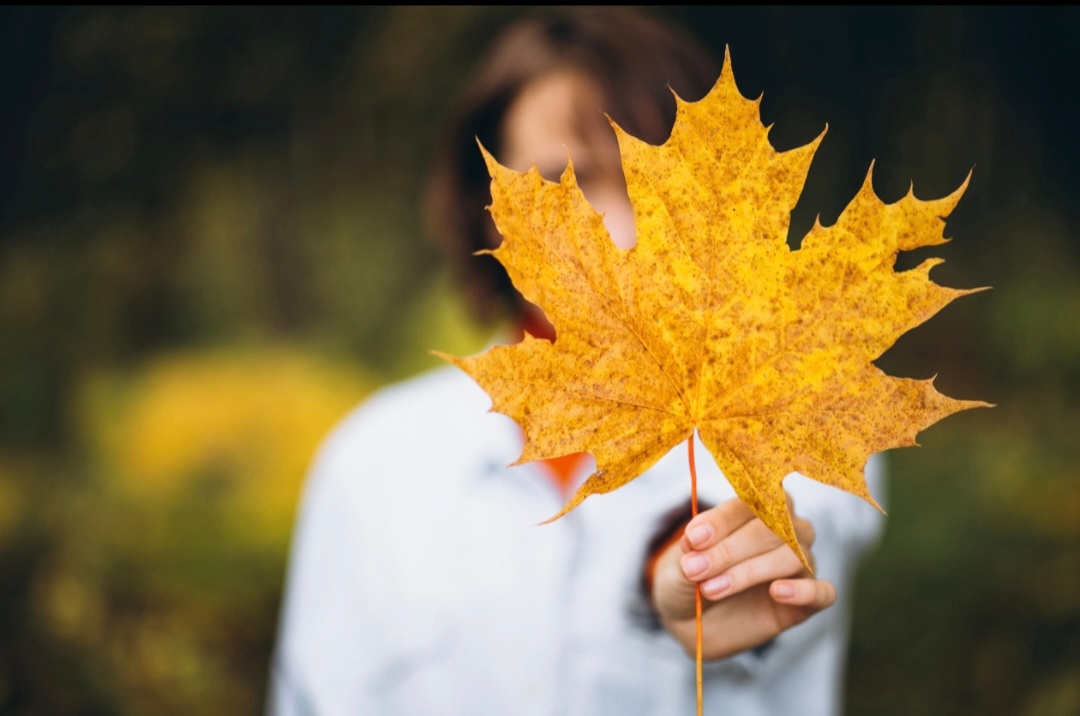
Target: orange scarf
(561, 470)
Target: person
(420, 582)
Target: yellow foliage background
(242, 425)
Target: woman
(419, 583)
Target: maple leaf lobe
(711, 322)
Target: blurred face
(556, 116)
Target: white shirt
(420, 582)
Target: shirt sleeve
(321, 636)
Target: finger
(714, 524)
(815, 594)
(750, 540)
(804, 529)
(804, 532)
(777, 563)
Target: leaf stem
(697, 588)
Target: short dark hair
(636, 62)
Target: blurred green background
(210, 249)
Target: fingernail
(699, 534)
(694, 564)
(716, 586)
(783, 591)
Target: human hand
(753, 586)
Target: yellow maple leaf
(711, 321)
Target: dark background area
(210, 248)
